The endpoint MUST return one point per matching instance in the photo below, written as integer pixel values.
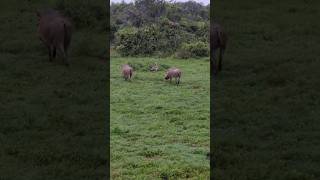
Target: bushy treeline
(157, 27)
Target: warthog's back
(126, 69)
(174, 72)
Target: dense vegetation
(267, 97)
(53, 118)
(157, 27)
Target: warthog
(127, 71)
(55, 32)
(218, 40)
(173, 73)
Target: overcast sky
(204, 2)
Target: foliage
(195, 49)
(174, 23)
(133, 41)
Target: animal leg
(50, 50)
(63, 54)
(220, 59)
(178, 80)
(213, 62)
(54, 52)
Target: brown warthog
(55, 32)
(127, 71)
(218, 40)
(173, 73)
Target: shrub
(127, 40)
(153, 39)
(148, 37)
(169, 36)
(183, 54)
(196, 49)
(162, 39)
(137, 41)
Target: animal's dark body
(55, 32)
(218, 40)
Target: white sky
(204, 2)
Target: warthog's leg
(220, 59)
(54, 52)
(50, 49)
(63, 54)
(178, 80)
(213, 61)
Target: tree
(150, 10)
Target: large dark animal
(55, 32)
(218, 40)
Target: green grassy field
(52, 117)
(266, 99)
(160, 130)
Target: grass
(52, 117)
(160, 130)
(266, 99)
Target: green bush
(148, 40)
(183, 54)
(159, 33)
(162, 39)
(170, 36)
(196, 49)
(148, 37)
(137, 41)
(127, 40)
